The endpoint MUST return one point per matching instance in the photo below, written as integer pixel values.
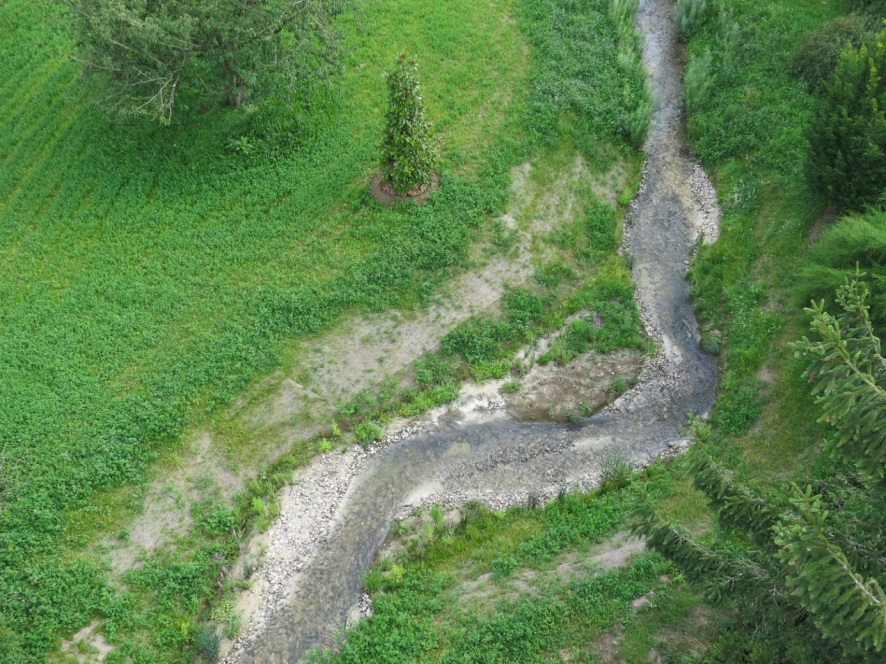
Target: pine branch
(846, 607)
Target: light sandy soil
(356, 355)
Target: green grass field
(148, 275)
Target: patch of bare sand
(87, 646)
(484, 592)
(554, 392)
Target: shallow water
(495, 457)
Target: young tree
(408, 151)
(150, 53)
(848, 134)
(806, 566)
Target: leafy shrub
(216, 520)
(409, 152)
(819, 51)
(477, 340)
(368, 432)
(503, 567)
(848, 134)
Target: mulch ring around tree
(385, 193)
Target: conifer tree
(408, 150)
(848, 134)
(805, 566)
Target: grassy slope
(747, 119)
(149, 274)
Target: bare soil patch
(582, 387)
(385, 193)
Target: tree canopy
(154, 56)
(408, 147)
(848, 135)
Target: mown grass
(150, 274)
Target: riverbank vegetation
(772, 517)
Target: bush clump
(848, 133)
(819, 51)
(368, 432)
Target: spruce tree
(848, 134)
(805, 566)
(408, 149)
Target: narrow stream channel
(497, 457)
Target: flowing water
(502, 460)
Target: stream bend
(498, 460)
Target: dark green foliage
(151, 55)
(849, 372)
(408, 151)
(848, 134)
(854, 242)
(874, 8)
(818, 52)
(804, 559)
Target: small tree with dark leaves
(409, 152)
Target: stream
(499, 460)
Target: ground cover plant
(200, 52)
(151, 273)
(490, 588)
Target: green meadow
(148, 274)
